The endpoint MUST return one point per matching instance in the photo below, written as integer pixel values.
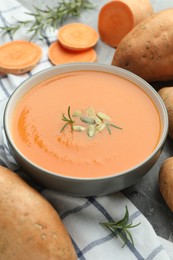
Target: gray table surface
(145, 194)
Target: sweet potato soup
(86, 124)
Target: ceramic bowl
(85, 186)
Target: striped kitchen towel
(81, 216)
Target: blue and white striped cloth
(81, 216)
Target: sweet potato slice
(77, 36)
(59, 55)
(18, 57)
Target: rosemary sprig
(49, 17)
(121, 228)
(68, 120)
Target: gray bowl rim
(78, 66)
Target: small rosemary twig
(68, 120)
(121, 228)
(43, 19)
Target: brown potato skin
(166, 94)
(166, 181)
(140, 9)
(30, 227)
(147, 50)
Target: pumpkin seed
(100, 127)
(90, 112)
(79, 128)
(77, 113)
(87, 120)
(91, 130)
(103, 116)
(97, 120)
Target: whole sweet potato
(166, 94)
(30, 228)
(166, 181)
(147, 50)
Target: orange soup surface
(37, 124)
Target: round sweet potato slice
(18, 57)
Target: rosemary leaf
(62, 129)
(69, 114)
(125, 220)
(122, 234)
(114, 126)
(64, 118)
(108, 128)
(129, 236)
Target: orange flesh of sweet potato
(77, 36)
(114, 22)
(18, 57)
(59, 55)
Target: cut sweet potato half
(59, 55)
(18, 57)
(119, 17)
(114, 22)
